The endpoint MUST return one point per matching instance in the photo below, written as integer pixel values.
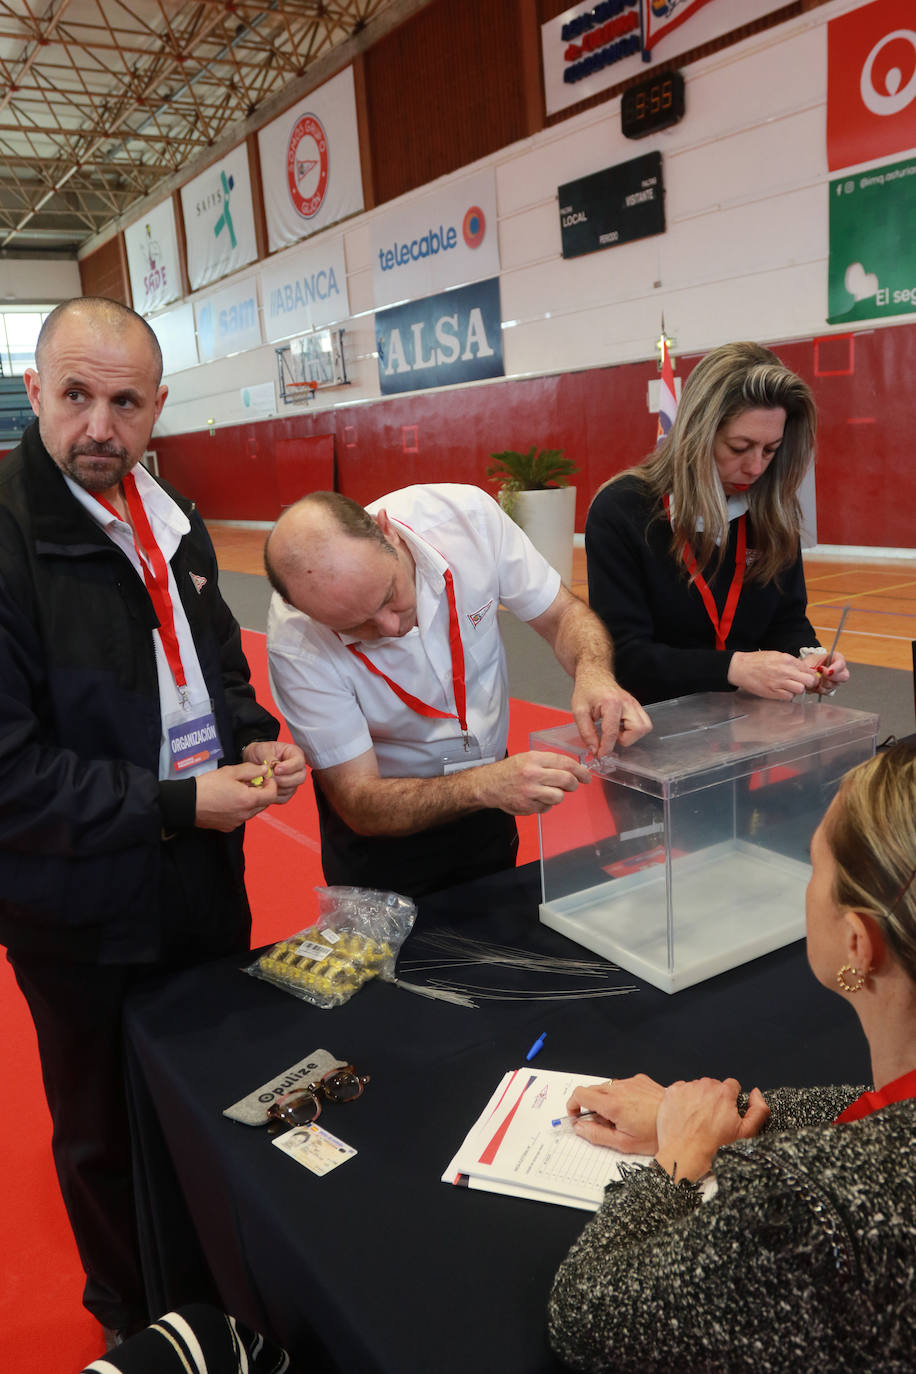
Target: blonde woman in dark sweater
(803, 1254)
(694, 556)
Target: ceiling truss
(103, 100)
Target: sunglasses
(303, 1106)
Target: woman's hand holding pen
(684, 1124)
(624, 1113)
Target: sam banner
(228, 321)
(444, 339)
(613, 206)
(872, 272)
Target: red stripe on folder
(492, 1148)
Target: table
(380, 1268)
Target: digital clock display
(653, 104)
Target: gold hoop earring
(851, 987)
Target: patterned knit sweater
(805, 1259)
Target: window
(18, 335)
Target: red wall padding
(866, 474)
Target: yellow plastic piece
(351, 961)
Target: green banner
(872, 272)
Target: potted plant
(534, 491)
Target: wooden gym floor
(879, 629)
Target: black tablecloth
(380, 1268)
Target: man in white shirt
(130, 738)
(387, 662)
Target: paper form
(515, 1148)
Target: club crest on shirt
(475, 617)
(199, 582)
(750, 556)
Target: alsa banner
(438, 241)
(871, 83)
(449, 338)
(310, 167)
(152, 259)
(219, 219)
(305, 290)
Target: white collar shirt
(169, 525)
(735, 506)
(337, 709)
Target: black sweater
(664, 641)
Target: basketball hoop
(309, 363)
(298, 393)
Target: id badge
(463, 752)
(192, 736)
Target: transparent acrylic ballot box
(687, 853)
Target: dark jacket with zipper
(82, 810)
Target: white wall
(38, 282)
(744, 254)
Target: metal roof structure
(104, 101)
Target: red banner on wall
(871, 83)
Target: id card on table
(314, 1147)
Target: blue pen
(537, 1046)
(570, 1120)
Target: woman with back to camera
(694, 556)
(804, 1257)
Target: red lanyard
(897, 1091)
(723, 625)
(458, 680)
(156, 578)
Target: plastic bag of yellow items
(357, 937)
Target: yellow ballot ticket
(314, 1147)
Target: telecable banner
(437, 241)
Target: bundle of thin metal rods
(583, 977)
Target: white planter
(549, 520)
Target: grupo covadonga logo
(307, 165)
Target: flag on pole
(667, 398)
